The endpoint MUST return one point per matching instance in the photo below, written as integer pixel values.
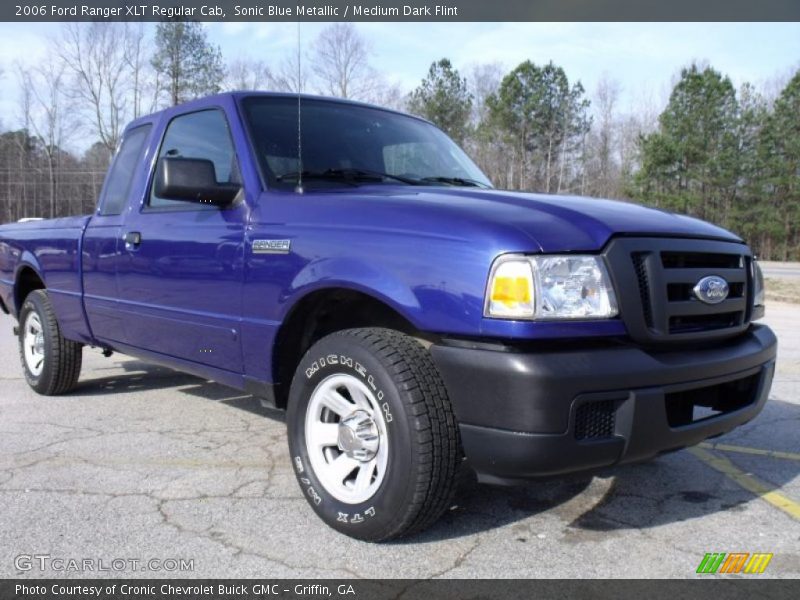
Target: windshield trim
(248, 133)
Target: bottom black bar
(704, 586)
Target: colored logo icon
(734, 562)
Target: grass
(783, 289)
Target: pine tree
(189, 65)
(780, 151)
(690, 164)
(752, 214)
(444, 99)
(545, 120)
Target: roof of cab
(238, 95)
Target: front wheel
(51, 363)
(372, 436)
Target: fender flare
(27, 261)
(362, 277)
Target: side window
(120, 176)
(203, 134)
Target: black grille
(700, 260)
(690, 323)
(683, 291)
(656, 278)
(595, 420)
(682, 271)
(644, 286)
(690, 406)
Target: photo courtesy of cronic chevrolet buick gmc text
(413, 321)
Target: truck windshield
(349, 144)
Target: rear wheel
(373, 439)
(51, 363)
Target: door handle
(132, 240)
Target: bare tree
(483, 81)
(48, 116)
(340, 60)
(22, 150)
(389, 95)
(143, 83)
(606, 170)
(248, 74)
(292, 74)
(95, 55)
(487, 146)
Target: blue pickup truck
(352, 265)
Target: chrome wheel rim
(346, 440)
(33, 344)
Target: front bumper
(525, 415)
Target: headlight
(758, 285)
(573, 287)
(550, 287)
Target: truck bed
(53, 248)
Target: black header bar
(404, 10)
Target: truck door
(180, 283)
(101, 245)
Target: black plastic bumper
(520, 413)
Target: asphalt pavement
(790, 270)
(154, 471)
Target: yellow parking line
(748, 482)
(755, 451)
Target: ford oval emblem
(711, 290)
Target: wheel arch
(323, 311)
(27, 279)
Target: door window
(205, 135)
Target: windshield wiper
(351, 176)
(346, 175)
(457, 181)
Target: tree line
(727, 155)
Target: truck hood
(552, 223)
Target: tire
(51, 364)
(418, 444)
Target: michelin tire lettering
(332, 359)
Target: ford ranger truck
(414, 322)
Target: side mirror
(192, 180)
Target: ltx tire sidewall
(366, 520)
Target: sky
(643, 57)
(640, 55)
